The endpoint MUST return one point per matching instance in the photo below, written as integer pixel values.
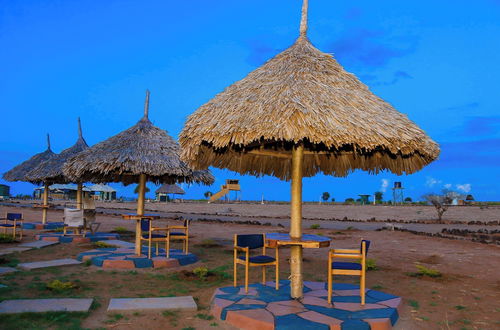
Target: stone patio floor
(125, 258)
(39, 225)
(266, 308)
(69, 238)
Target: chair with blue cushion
(178, 233)
(356, 268)
(152, 234)
(245, 243)
(13, 221)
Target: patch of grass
(103, 245)
(189, 328)
(59, 286)
(169, 313)
(9, 262)
(371, 264)
(204, 316)
(121, 230)
(424, 271)
(114, 318)
(460, 307)
(433, 303)
(377, 287)
(465, 321)
(50, 320)
(95, 304)
(201, 272)
(315, 226)
(209, 243)
(131, 272)
(88, 263)
(414, 304)
(214, 324)
(137, 314)
(6, 238)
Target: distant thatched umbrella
(299, 114)
(51, 171)
(19, 173)
(142, 152)
(170, 189)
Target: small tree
(349, 200)
(440, 202)
(325, 196)
(208, 194)
(408, 200)
(136, 190)
(333, 199)
(379, 196)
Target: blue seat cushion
(177, 234)
(146, 236)
(258, 259)
(346, 265)
(8, 225)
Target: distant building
(103, 192)
(4, 191)
(168, 189)
(364, 199)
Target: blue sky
(436, 61)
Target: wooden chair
(181, 235)
(245, 243)
(13, 221)
(348, 268)
(148, 234)
(89, 215)
(73, 218)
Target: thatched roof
(141, 149)
(102, 188)
(19, 172)
(51, 171)
(170, 189)
(303, 95)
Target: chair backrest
(252, 241)
(73, 217)
(14, 216)
(88, 204)
(367, 244)
(145, 225)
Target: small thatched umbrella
(297, 115)
(51, 171)
(141, 153)
(19, 173)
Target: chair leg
(277, 276)
(168, 248)
(157, 248)
(149, 249)
(246, 277)
(235, 270)
(330, 284)
(362, 288)
(264, 275)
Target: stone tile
(355, 324)
(393, 303)
(38, 244)
(251, 319)
(185, 303)
(354, 307)
(347, 292)
(119, 243)
(13, 250)
(251, 301)
(317, 293)
(279, 309)
(218, 305)
(6, 270)
(118, 264)
(309, 300)
(251, 291)
(48, 263)
(379, 324)
(333, 323)
(292, 322)
(45, 305)
(162, 262)
(315, 285)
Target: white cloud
(448, 186)
(384, 184)
(431, 181)
(466, 187)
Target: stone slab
(45, 305)
(14, 249)
(162, 303)
(38, 244)
(119, 243)
(49, 263)
(6, 270)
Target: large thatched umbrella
(51, 171)
(297, 115)
(19, 173)
(141, 153)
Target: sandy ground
(465, 297)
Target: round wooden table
(307, 241)
(138, 233)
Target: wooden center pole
(296, 287)
(79, 192)
(45, 203)
(140, 211)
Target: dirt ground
(465, 297)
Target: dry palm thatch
(170, 189)
(19, 172)
(51, 171)
(305, 96)
(141, 149)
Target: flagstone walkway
(266, 308)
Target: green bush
(6, 238)
(315, 226)
(120, 230)
(371, 264)
(103, 245)
(201, 272)
(60, 286)
(424, 271)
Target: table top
(134, 216)
(43, 206)
(307, 241)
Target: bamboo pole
(79, 192)
(140, 211)
(296, 287)
(45, 203)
